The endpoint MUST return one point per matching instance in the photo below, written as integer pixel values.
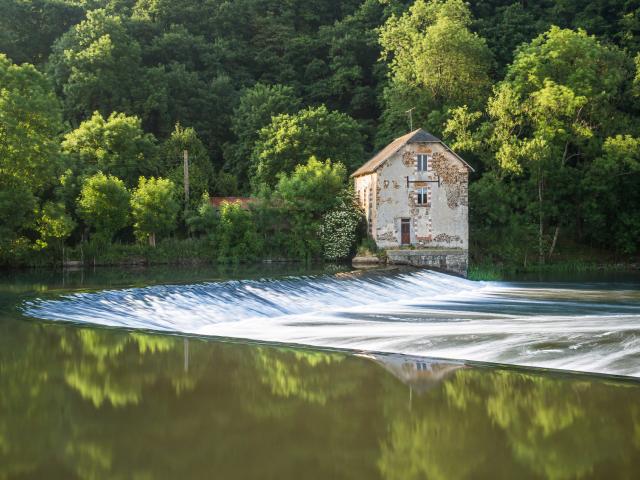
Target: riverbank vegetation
(280, 102)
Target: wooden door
(405, 231)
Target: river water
(148, 374)
(588, 327)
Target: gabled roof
(416, 136)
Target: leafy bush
(338, 233)
(367, 247)
(304, 197)
(104, 205)
(154, 207)
(237, 234)
(205, 219)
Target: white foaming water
(584, 328)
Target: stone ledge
(426, 251)
(451, 260)
(368, 260)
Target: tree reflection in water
(545, 425)
(96, 403)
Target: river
(200, 373)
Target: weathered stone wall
(366, 191)
(443, 222)
(454, 261)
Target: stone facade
(434, 203)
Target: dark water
(88, 402)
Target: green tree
(291, 139)
(435, 62)
(18, 207)
(30, 160)
(96, 66)
(557, 92)
(545, 124)
(201, 173)
(54, 226)
(206, 218)
(306, 195)
(103, 204)
(509, 26)
(116, 145)
(154, 208)
(237, 234)
(351, 84)
(612, 195)
(30, 125)
(257, 106)
(28, 29)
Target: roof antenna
(410, 113)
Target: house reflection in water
(419, 373)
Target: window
(423, 162)
(422, 196)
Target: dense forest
(282, 100)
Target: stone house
(414, 192)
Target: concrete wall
(386, 199)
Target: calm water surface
(78, 400)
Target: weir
(593, 328)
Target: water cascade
(590, 328)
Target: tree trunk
(555, 239)
(540, 220)
(152, 240)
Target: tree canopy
(542, 98)
(289, 140)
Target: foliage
(237, 235)
(432, 47)
(367, 247)
(543, 128)
(154, 208)
(30, 123)
(103, 205)
(205, 219)
(612, 197)
(96, 65)
(54, 225)
(542, 97)
(305, 195)
(257, 106)
(313, 187)
(30, 160)
(291, 139)
(18, 205)
(172, 153)
(117, 145)
(28, 29)
(338, 231)
(435, 62)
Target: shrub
(104, 205)
(339, 232)
(155, 208)
(237, 234)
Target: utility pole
(185, 155)
(410, 113)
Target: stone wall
(455, 261)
